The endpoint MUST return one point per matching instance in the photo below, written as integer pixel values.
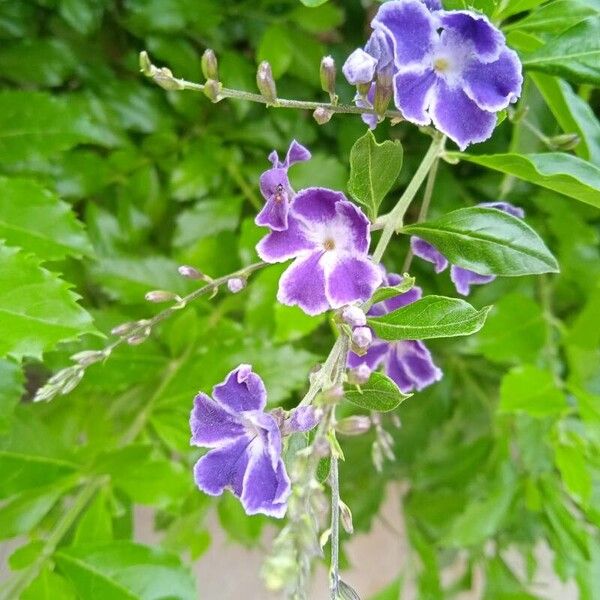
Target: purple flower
(329, 238)
(245, 443)
(276, 189)
(451, 67)
(462, 279)
(408, 362)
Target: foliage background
(108, 184)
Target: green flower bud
(266, 83)
(209, 64)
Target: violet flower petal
(475, 30)
(211, 424)
(463, 279)
(296, 153)
(511, 209)
(456, 115)
(374, 356)
(303, 285)
(427, 252)
(317, 204)
(241, 391)
(274, 214)
(280, 246)
(349, 279)
(411, 28)
(303, 418)
(493, 86)
(411, 366)
(413, 90)
(223, 467)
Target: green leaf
(22, 513)
(487, 241)
(242, 528)
(11, 390)
(313, 3)
(482, 518)
(515, 331)
(125, 571)
(556, 16)
(39, 222)
(574, 54)
(380, 393)
(373, 171)
(49, 586)
(530, 390)
(292, 323)
(571, 462)
(35, 125)
(430, 317)
(573, 114)
(556, 171)
(386, 292)
(276, 48)
(37, 309)
(95, 525)
(207, 218)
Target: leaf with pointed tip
(487, 241)
(430, 317)
(373, 170)
(380, 393)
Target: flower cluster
(449, 67)
(245, 442)
(462, 279)
(408, 362)
(276, 189)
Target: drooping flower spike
(329, 239)
(276, 189)
(245, 443)
(451, 67)
(408, 362)
(462, 279)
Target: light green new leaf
(37, 308)
(571, 462)
(38, 221)
(35, 125)
(313, 3)
(530, 390)
(487, 241)
(574, 54)
(430, 317)
(380, 393)
(569, 175)
(48, 585)
(125, 571)
(373, 170)
(383, 293)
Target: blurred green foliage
(108, 183)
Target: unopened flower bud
(334, 393)
(362, 337)
(164, 78)
(146, 66)
(360, 375)
(124, 328)
(565, 141)
(383, 93)
(362, 89)
(236, 284)
(158, 296)
(212, 89)
(327, 73)
(346, 517)
(354, 316)
(354, 425)
(266, 83)
(209, 64)
(189, 272)
(88, 357)
(72, 382)
(322, 115)
(136, 340)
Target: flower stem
(427, 195)
(396, 215)
(165, 79)
(335, 528)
